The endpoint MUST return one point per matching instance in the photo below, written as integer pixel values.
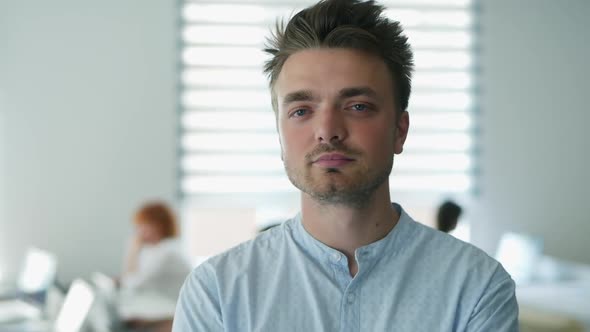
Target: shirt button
(350, 297)
(336, 257)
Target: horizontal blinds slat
(224, 56)
(266, 121)
(237, 35)
(280, 183)
(252, 57)
(203, 78)
(253, 142)
(261, 99)
(267, 162)
(267, 14)
(446, 4)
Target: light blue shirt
(414, 279)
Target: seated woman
(154, 269)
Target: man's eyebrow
(301, 95)
(357, 91)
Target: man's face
(337, 119)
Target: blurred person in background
(154, 264)
(447, 216)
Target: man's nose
(331, 125)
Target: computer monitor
(519, 254)
(71, 317)
(26, 301)
(75, 308)
(38, 271)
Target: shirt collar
(367, 255)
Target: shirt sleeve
(497, 309)
(198, 307)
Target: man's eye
(299, 112)
(360, 107)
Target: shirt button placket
(350, 315)
(350, 298)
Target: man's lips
(332, 160)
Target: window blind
(229, 142)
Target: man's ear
(401, 132)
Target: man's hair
(447, 216)
(349, 24)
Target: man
(351, 260)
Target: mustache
(337, 147)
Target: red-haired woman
(155, 267)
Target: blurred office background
(102, 108)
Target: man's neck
(346, 228)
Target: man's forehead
(341, 60)
(317, 72)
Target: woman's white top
(161, 269)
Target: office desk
(566, 293)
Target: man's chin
(329, 187)
(342, 198)
(332, 192)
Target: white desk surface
(567, 294)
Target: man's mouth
(332, 160)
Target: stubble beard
(353, 188)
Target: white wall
(88, 125)
(535, 166)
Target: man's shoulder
(255, 251)
(439, 258)
(444, 247)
